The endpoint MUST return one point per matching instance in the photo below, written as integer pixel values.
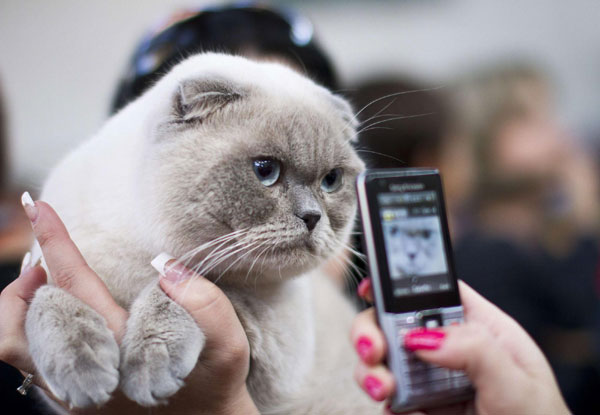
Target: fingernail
(424, 339)
(169, 269)
(29, 206)
(374, 388)
(364, 347)
(26, 263)
(363, 287)
(160, 262)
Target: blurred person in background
(531, 246)
(404, 122)
(251, 30)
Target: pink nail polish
(364, 287)
(364, 345)
(424, 339)
(374, 388)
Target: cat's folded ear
(345, 110)
(198, 99)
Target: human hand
(225, 359)
(509, 372)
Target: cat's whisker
(402, 117)
(204, 272)
(224, 255)
(239, 259)
(348, 274)
(378, 113)
(396, 94)
(186, 258)
(376, 128)
(217, 252)
(353, 251)
(254, 262)
(381, 154)
(228, 252)
(355, 272)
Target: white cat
(251, 155)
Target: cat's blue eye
(267, 170)
(332, 180)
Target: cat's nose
(310, 218)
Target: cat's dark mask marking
(198, 99)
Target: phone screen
(414, 244)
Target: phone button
(461, 381)
(430, 321)
(431, 324)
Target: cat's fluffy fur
(173, 171)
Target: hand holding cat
(225, 356)
(509, 372)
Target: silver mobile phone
(405, 234)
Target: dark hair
(240, 30)
(400, 120)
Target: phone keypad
(424, 378)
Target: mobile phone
(406, 238)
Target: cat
(414, 247)
(245, 171)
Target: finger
(377, 381)
(13, 306)
(509, 333)
(23, 287)
(367, 338)
(67, 267)
(479, 309)
(365, 290)
(469, 347)
(204, 301)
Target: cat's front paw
(72, 348)
(160, 348)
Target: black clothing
(554, 299)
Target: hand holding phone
(407, 241)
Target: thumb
(469, 347)
(206, 302)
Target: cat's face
(253, 176)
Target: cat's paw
(160, 348)
(73, 349)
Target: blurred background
(502, 97)
(61, 59)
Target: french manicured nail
(364, 287)
(169, 269)
(364, 346)
(26, 263)
(424, 339)
(159, 263)
(374, 388)
(29, 206)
